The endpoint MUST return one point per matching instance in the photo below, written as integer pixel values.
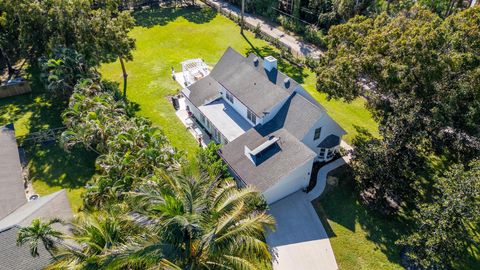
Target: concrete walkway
(300, 240)
(296, 46)
(323, 172)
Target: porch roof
(227, 121)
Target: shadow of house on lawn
(163, 16)
(340, 204)
(293, 70)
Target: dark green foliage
(209, 161)
(62, 70)
(420, 75)
(418, 72)
(99, 32)
(446, 226)
(194, 222)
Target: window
(251, 116)
(229, 96)
(330, 153)
(321, 155)
(317, 133)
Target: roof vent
(286, 82)
(270, 63)
(255, 61)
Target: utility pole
(241, 16)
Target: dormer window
(251, 116)
(229, 97)
(318, 131)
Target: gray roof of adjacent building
(12, 191)
(16, 212)
(19, 257)
(45, 207)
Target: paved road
(297, 46)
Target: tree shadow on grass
(340, 204)
(291, 69)
(57, 168)
(37, 111)
(163, 16)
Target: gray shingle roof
(252, 85)
(46, 207)
(12, 192)
(248, 83)
(18, 257)
(330, 141)
(287, 155)
(297, 116)
(202, 91)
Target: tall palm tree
(196, 223)
(94, 234)
(40, 232)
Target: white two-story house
(271, 129)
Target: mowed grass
(50, 167)
(360, 238)
(166, 37)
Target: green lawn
(51, 168)
(166, 37)
(360, 238)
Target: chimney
(270, 63)
(286, 82)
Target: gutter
(236, 175)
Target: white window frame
(321, 153)
(330, 153)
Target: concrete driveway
(300, 241)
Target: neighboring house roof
(12, 191)
(330, 141)
(19, 257)
(15, 211)
(46, 207)
(203, 91)
(287, 155)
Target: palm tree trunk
(9, 64)
(125, 75)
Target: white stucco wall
(328, 127)
(296, 180)
(239, 107)
(196, 113)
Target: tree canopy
(31, 29)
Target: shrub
(315, 36)
(291, 24)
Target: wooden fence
(14, 89)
